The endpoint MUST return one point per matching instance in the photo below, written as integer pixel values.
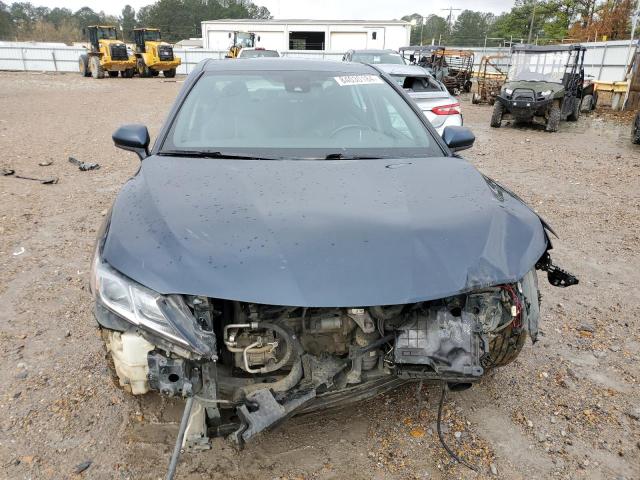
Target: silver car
(438, 105)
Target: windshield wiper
(341, 156)
(208, 154)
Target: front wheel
(83, 63)
(553, 119)
(496, 116)
(635, 133)
(96, 67)
(575, 114)
(113, 74)
(169, 73)
(143, 70)
(586, 105)
(475, 98)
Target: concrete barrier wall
(603, 60)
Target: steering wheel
(349, 126)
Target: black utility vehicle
(544, 82)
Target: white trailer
(323, 35)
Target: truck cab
(153, 55)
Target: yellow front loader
(240, 40)
(105, 53)
(153, 55)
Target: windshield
(258, 53)
(105, 33)
(385, 57)
(244, 39)
(418, 83)
(538, 66)
(298, 114)
(152, 35)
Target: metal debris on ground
(45, 163)
(7, 172)
(81, 467)
(84, 166)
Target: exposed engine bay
(273, 361)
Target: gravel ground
(569, 407)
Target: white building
(327, 35)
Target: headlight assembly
(508, 91)
(546, 93)
(165, 315)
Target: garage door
(271, 40)
(343, 41)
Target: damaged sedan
(300, 237)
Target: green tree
(6, 25)
(128, 22)
(431, 28)
(470, 28)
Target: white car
(438, 105)
(257, 52)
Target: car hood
(535, 86)
(319, 233)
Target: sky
(317, 9)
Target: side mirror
(458, 138)
(134, 138)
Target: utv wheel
(586, 105)
(83, 64)
(143, 70)
(169, 73)
(467, 86)
(113, 74)
(496, 117)
(96, 68)
(573, 116)
(155, 73)
(475, 98)
(504, 347)
(635, 132)
(553, 120)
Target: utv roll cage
(453, 67)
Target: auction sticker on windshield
(346, 80)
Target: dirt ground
(568, 408)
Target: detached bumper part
(556, 275)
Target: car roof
(285, 64)
(373, 50)
(260, 48)
(396, 69)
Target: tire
(504, 347)
(96, 67)
(553, 120)
(586, 104)
(496, 116)
(475, 98)
(169, 73)
(575, 114)
(113, 74)
(142, 68)
(83, 63)
(154, 73)
(635, 132)
(467, 86)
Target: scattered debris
(81, 467)
(84, 166)
(6, 172)
(19, 251)
(46, 163)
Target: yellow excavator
(153, 55)
(105, 53)
(239, 41)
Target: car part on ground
(543, 82)
(106, 54)
(313, 294)
(452, 67)
(153, 55)
(489, 78)
(432, 97)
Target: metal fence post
(53, 55)
(24, 63)
(604, 54)
(186, 62)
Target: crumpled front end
(257, 364)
